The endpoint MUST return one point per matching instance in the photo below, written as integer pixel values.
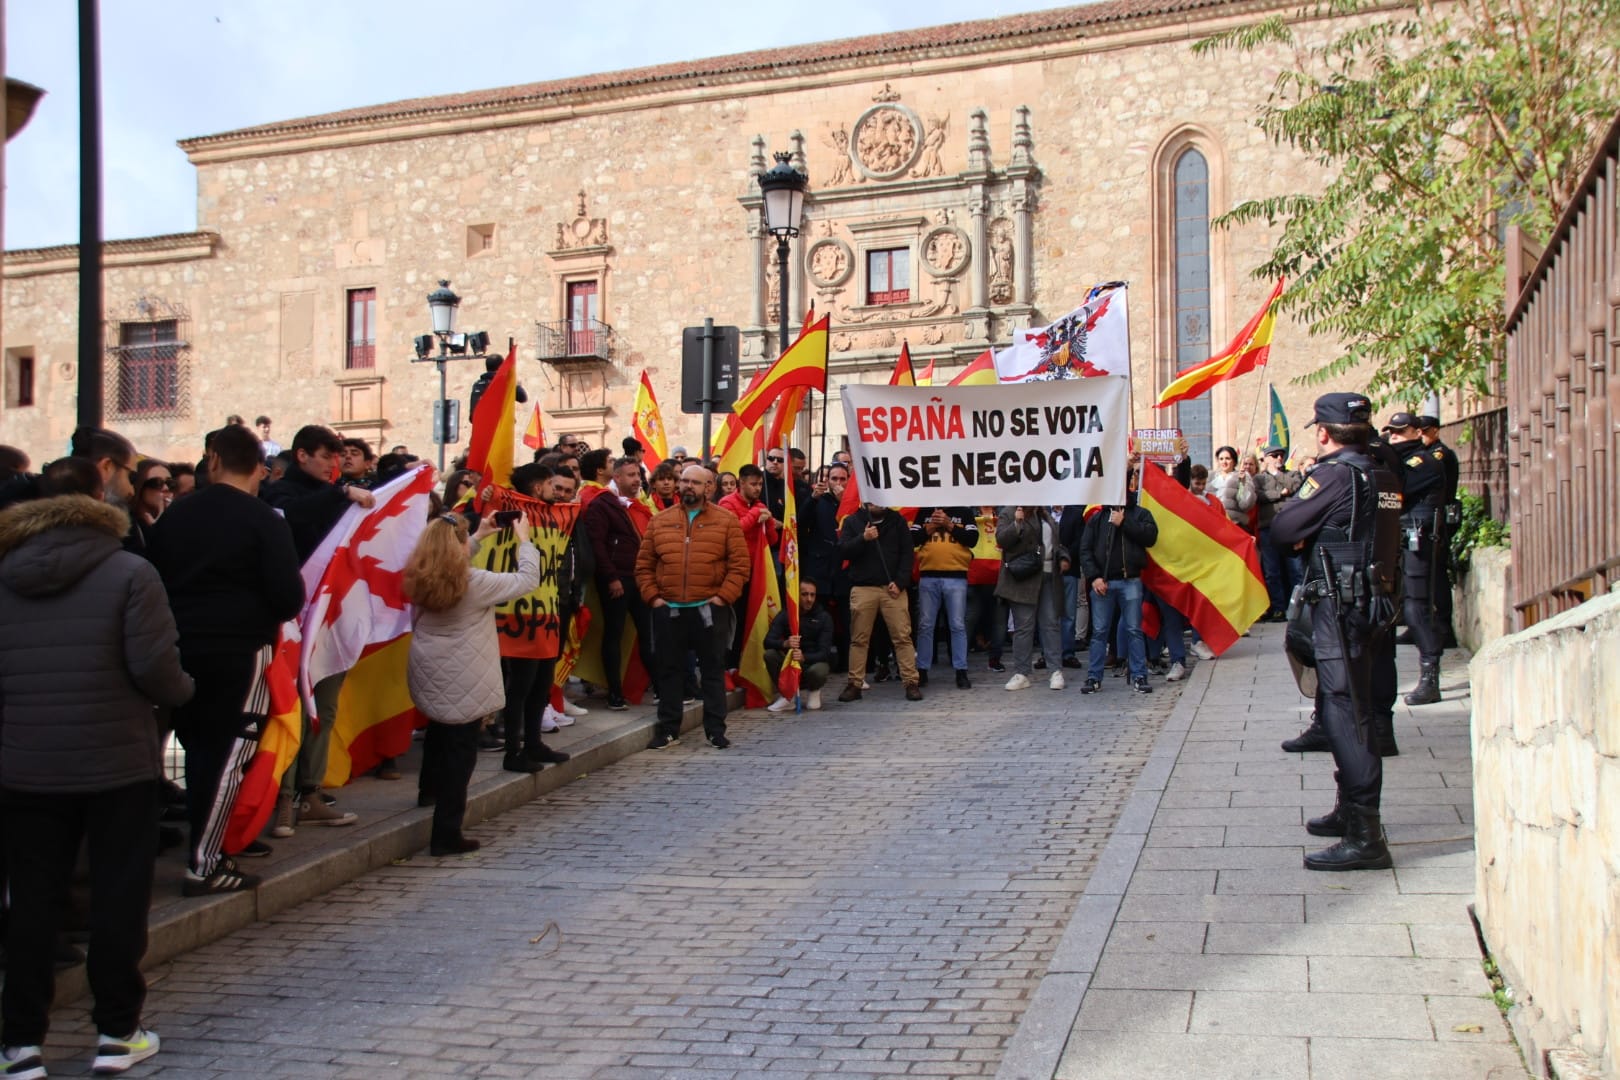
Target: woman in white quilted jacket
(454, 670)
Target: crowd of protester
(140, 597)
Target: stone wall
(1481, 611)
(1546, 747)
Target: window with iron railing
(148, 367)
(888, 276)
(362, 336)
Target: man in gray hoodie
(88, 648)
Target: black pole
(444, 410)
(90, 286)
(708, 386)
(782, 281)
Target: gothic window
(1190, 303)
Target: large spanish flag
(494, 426)
(982, 372)
(1247, 351)
(1202, 564)
(788, 680)
(648, 425)
(764, 600)
(804, 365)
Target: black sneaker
(1071, 662)
(546, 755)
(962, 680)
(1040, 663)
(256, 849)
(719, 742)
(488, 740)
(661, 740)
(1091, 686)
(880, 673)
(520, 763)
(922, 676)
(997, 665)
(1141, 686)
(617, 703)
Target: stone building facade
(964, 181)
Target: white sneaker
(813, 700)
(25, 1062)
(570, 709)
(1056, 681)
(551, 720)
(1018, 682)
(781, 704)
(1177, 673)
(115, 1055)
(1202, 651)
(865, 685)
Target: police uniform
(1442, 551)
(1426, 489)
(1338, 503)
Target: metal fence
(1563, 346)
(1481, 443)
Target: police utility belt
(1343, 572)
(1429, 522)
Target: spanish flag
(494, 424)
(803, 365)
(927, 376)
(982, 372)
(902, 374)
(648, 425)
(763, 602)
(788, 681)
(1203, 565)
(1247, 351)
(278, 744)
(534, 436)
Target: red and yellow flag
(534, 436)
(375, 713)
(903, 375)
(788, 681)
(531, 625)
(982, 372)
(804, 364)
(494, 424)
(1203, 565)
(927, 376)
(648, 425)
(764, 601)
(278, 744)
(1247, 351)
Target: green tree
(1439, 125)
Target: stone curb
(180, 927)
(1036, 1048)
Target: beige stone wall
(1481, 610)
(1546, 743)
(302, 223)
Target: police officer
(1338, 504)
(1452, 518)
(1425, 484)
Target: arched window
(1190, 299)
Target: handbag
(1025, 565)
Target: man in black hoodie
(312, 505)
(877, 543)
(232, 574)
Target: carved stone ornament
(829, 262)
(843, 173)
(933, 141)
(886, 142)
(842, 343)
(584, 231)
(945, 250)
(1001, 261)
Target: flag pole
(1249, 434)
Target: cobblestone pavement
(871, 890)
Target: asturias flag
(1247, 351)
(1279, 423)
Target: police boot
(1384, 735)
(1332, 822)
(1427, 691)
(1363, 846)
(1312, 738)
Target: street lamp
(442, 306)
(783, 189)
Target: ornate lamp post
(442, 307)
(783, 188)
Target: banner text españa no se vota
(897, 424)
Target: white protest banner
(1020, 444)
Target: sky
(173, 69)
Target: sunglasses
(152, 483)
(774, 460)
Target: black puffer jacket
(1138, 532)
(87, 648)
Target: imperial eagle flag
(1092, 340)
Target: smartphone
(505, 518)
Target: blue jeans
(1071, 600)
(1271, 567)
(952, 593)
(1172, 629)
(1127, 595)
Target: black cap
(1426, 422)
(1400, 421)
(1342, 409)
